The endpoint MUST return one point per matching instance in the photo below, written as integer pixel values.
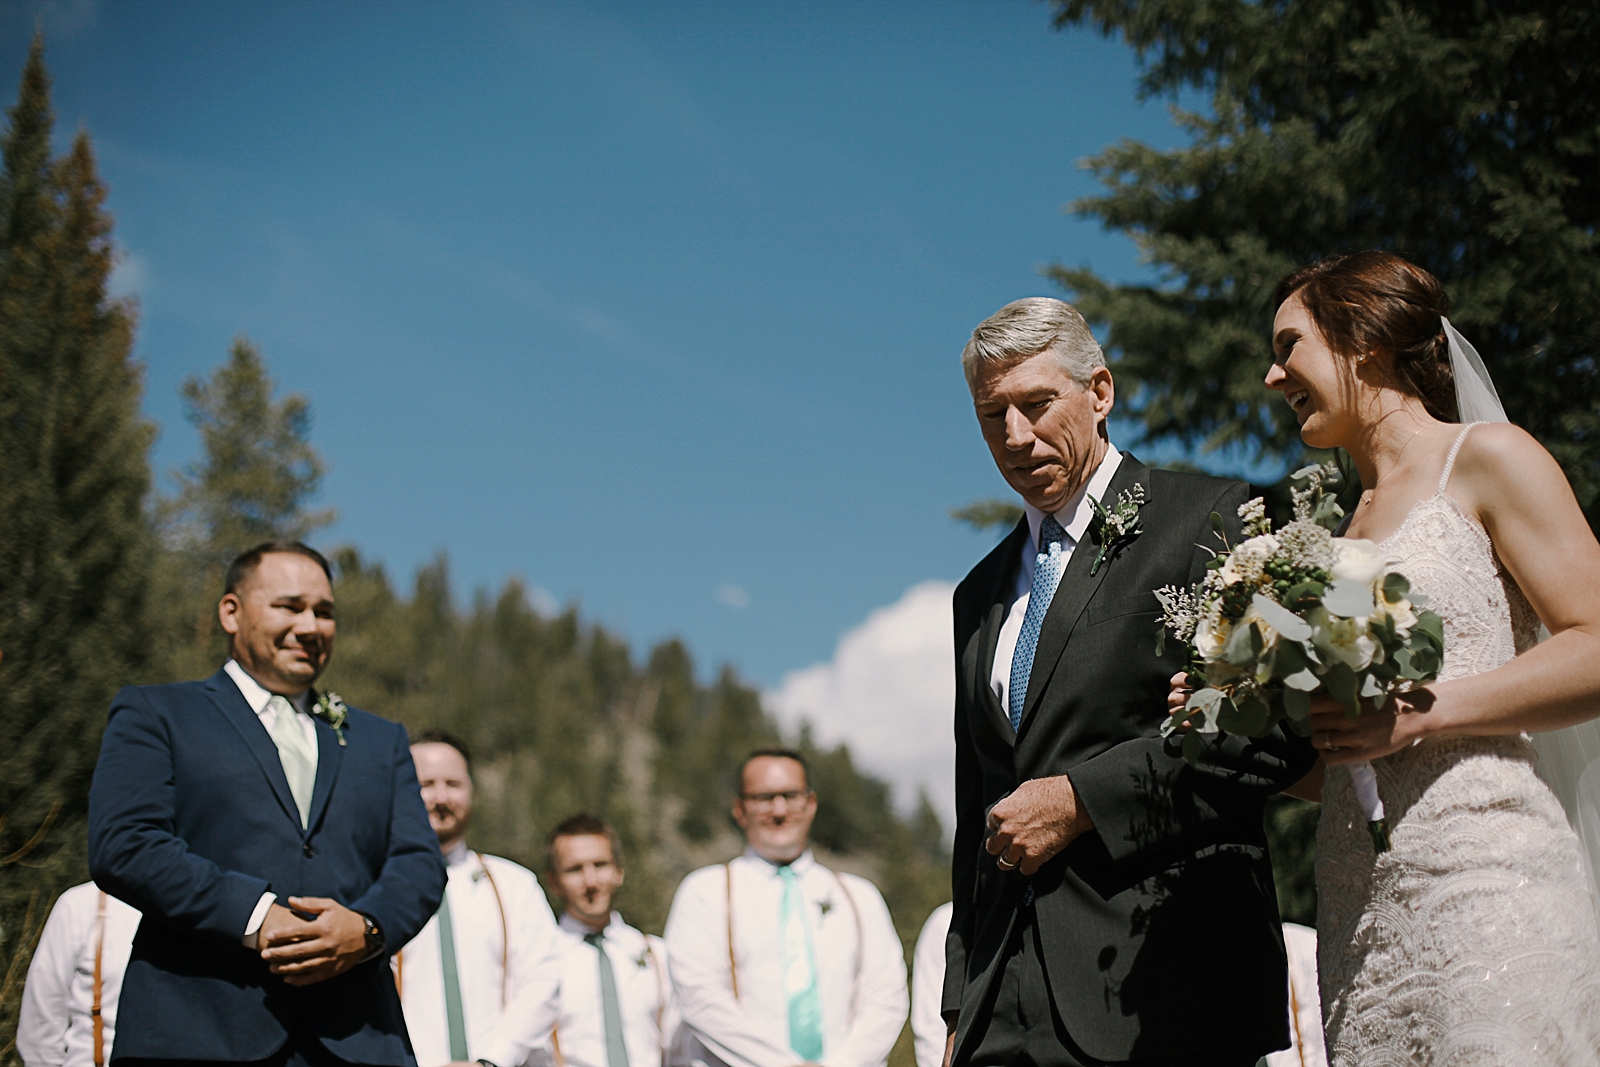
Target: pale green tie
(298, 757)
(800, 972)
(610, 1004)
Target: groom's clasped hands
(306, 951)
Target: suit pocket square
(1116, 607)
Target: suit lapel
(330, 757)
(999, 599)
(226, 696)
(1077, 588)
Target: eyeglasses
(793, 798)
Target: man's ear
(228, 611)
(1104, 390)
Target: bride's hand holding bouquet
(1282, 619)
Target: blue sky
(657, 306)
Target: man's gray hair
(1027, 327)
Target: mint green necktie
(299, 759)
(800, 972)
(454, 1020)
(616, 1047)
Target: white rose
(1210, 635)
(1346, 641)
(1404, 616)
(1358, 560)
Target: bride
(1473, 939)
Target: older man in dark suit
(1113, 904)
(274, 840)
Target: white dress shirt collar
(582, 929)
(803, 863)
(1076, 514)
(256, 695)
(457, 854)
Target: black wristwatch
(374, 934)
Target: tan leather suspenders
(505, 930)
(99, 981)
(855, 912)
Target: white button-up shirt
(1074, 516)
(644, 995)
(861, 969)
(508, 963)
(56, 1027)
(260, 701)
(928, 1028)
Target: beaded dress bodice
(1471, 941)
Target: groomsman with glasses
(617, 1008)
(480, 983)
(777, 960)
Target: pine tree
(74, 539)
(1462, 134)
(257, 472)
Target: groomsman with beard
(481, 981)
(272, 838)
(617, 1008)
(776, 959)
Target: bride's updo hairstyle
(1376, 300)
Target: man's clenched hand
(1035, 823)
(306, 953)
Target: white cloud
(733, 596)
(888, 692)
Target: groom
(275, 842)
(1112, 903)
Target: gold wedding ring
(1005, 865)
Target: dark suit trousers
(294, 1053)
(1025, 1030)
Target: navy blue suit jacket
(191, 820)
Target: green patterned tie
(454, 1020)
(295, 753)
(800, 972)
(616, 1047)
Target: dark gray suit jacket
(1160, 927)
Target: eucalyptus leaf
(1395, 588)
(1208, 702)
(1349, 598)
(1239, 650)
(1193, 746)
(1281, 618)
(1302, 681)
(1341, 683)
(1296, 705)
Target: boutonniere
(1117, 526)
(331, 710)
(825, 906)
(642, 960)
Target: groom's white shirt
(1074, 516)
(260, 701)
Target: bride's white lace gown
(1472, 940)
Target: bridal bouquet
(1283, 615)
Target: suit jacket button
(308, 850)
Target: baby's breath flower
(1253, 513)
(1307, 545)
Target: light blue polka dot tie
(1052, 560)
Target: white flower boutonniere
(1117, 526)
(331, 710)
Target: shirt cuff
(258, 917)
